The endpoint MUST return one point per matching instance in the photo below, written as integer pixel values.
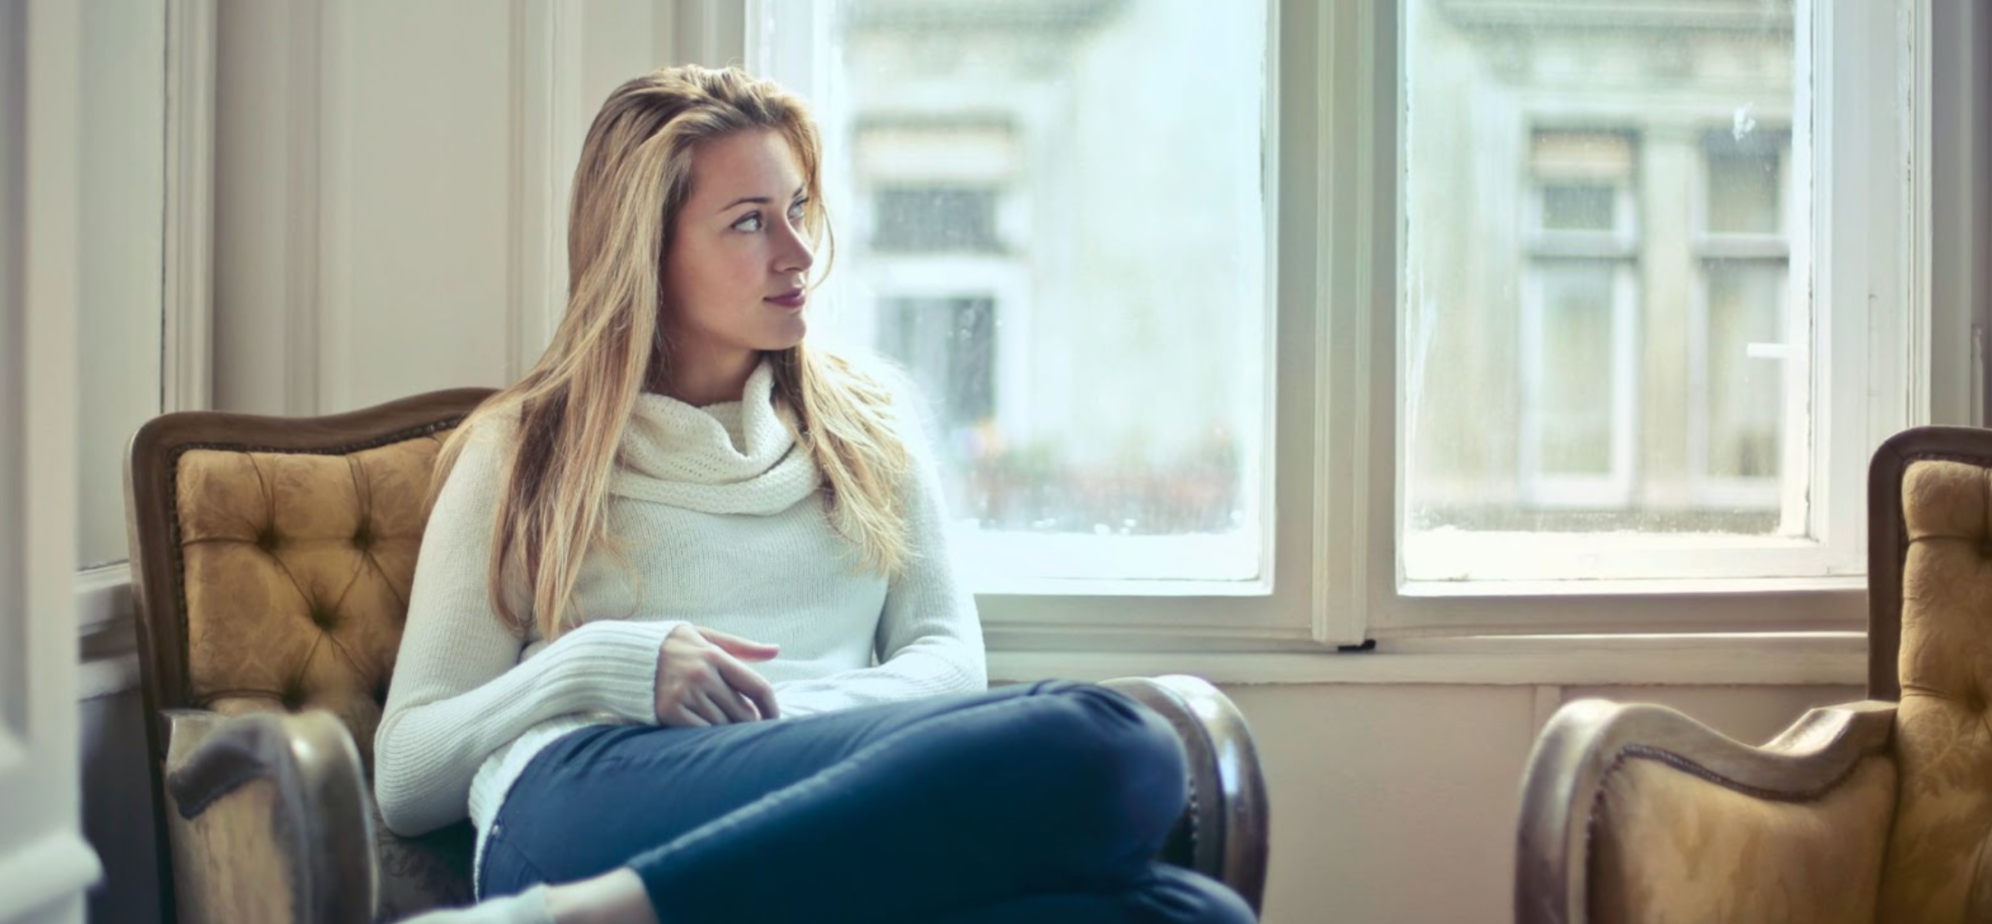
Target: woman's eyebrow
(762, 200)
(754, 200)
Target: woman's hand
(702, 681)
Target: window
(1572, 308)
(1657, 405)
(1085, 317)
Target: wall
(1396, 803)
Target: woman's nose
(794, 255)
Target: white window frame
(1873, 342)
(1334, 578)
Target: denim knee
(1178, 896)
(1122, 765)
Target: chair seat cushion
(420, 873)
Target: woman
(683, 638)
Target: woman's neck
(704, 379)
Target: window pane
(1577, 208)
(1059, 230)
(1576, 354)
(934, 218)
(1743, 184)
(950, 346)
(1573, 375)
(1745, 401)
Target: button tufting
(267, 540)
(293, 699)
(323, 616)
(363, 539)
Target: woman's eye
(749, 222)
(798, 210)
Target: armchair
(271, 562)
(1879, 810)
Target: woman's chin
(788, 337)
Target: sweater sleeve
(459, 690)
(929, 639)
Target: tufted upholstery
(1943, 824)
(272, 560)
(297, 570)
(1877, 811)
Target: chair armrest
(1223, 833)
(267, 819)
(1824, 788)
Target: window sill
(1752, 659)
(104, 608)
(103, 597)
(107, 632)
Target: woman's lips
(794, 298)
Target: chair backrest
(271, 560)
(1930, 647)
(271, 557)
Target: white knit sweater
(718, 515)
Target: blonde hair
(573, 406)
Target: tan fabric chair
(271, 561)
(1872, 811)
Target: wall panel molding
(188, 375)
(303, 136)
(332, 305)
(549, 118)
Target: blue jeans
(1043, 803)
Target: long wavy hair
(573, 406)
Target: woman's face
(739, 255)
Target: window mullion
(1348, 156)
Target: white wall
(391, 186)
(123, 227)
(1395, 803)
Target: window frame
(1334, 578)
(1864, 161)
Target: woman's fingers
(701, 703)
(702, 680)
(750, 684)
(745, 649)
(729, 701)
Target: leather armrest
(1637, 812)
(268, 819)
(1223, 833)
